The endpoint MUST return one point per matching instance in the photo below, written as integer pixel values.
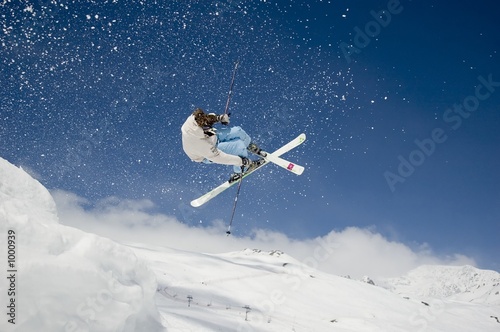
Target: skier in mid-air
(228, 145)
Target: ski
(289, 166)
(217, 190)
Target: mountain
(254, 290)
(64, 279)
(457, 283)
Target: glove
(224, 118)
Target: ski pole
(234, 206)
(230, 93)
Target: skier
(228, 145)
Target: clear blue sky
(93, 97)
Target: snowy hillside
(69, 280)
(62, 279)
(253, 290)
(459, 283)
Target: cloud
(353, 251)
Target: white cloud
(352, 251)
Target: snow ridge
(459, 283)
(68, 280)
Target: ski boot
(235, 177)
(246, 169)
(254, 148)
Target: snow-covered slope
(253, 290)
(63, 279)
(68, 280)
(459, 283)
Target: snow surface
(459, 283)
(69, 280)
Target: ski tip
(195, 203)
(299, 171)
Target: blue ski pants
(233, 140)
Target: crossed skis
(269, 158)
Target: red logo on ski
(290, 166)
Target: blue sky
(94, 96)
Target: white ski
(283, 163)
(216, 191)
